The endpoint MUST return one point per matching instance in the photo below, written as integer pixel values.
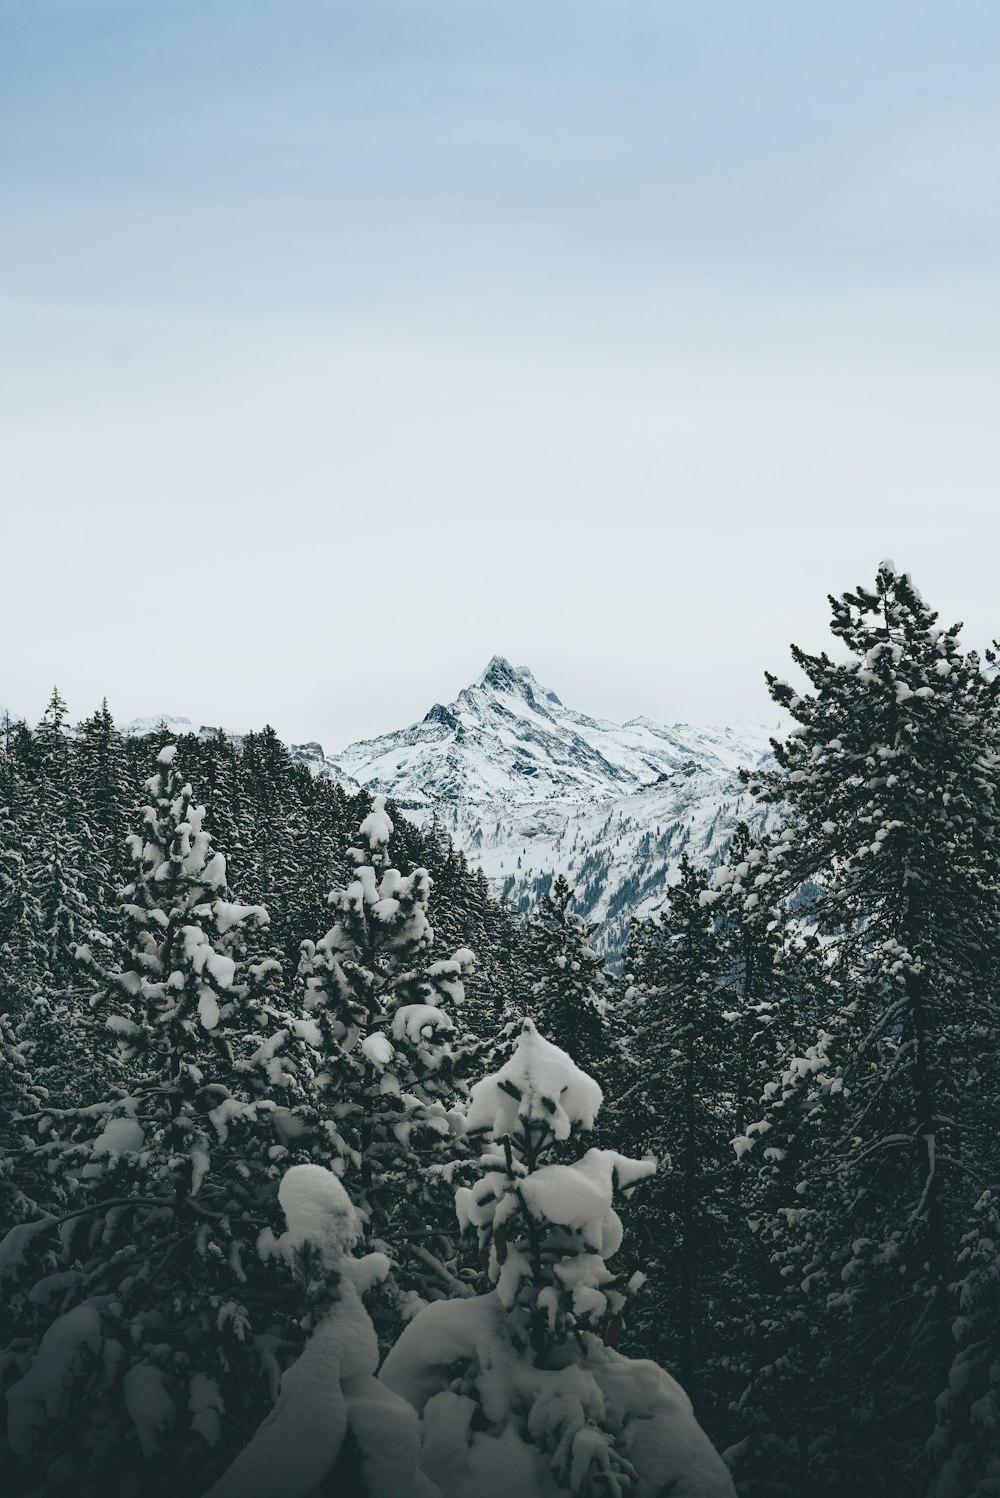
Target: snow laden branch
(520, 1390)
(329, 1394)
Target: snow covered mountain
(528, 788)
(508, 738)
(142, 726)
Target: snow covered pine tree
(334, 1429)
(379, 998)
(517, 1391)
(874, 1134)
(679, 1107)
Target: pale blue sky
(345, 344)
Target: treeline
(204, 983)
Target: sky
(346, 343)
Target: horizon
(185, 723)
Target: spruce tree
(521, 1386)
(679, 1108)
(966, 1443)
(107, 793)
(381, 1001)
(888, 786)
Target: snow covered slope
(507, 737)
(528, 788)
(142, 726)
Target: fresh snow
(149, 1406)
(556, 1408)
(73, 1341)
(540, 1082)
(331, 1387)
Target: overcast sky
(347, 342)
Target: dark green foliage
(874, 1142)
(571, 991)
(677, 1107)
(158, 1074)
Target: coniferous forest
(323, 1172)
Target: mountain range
(529, 788)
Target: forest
(324, 1172)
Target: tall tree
(382, 1002)
(888, 784)
(521, 1387)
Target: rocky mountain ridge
(528, 788)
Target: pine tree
(151, 1255)
(523, 1381)
(966, 1443)
(108, 795)
(889, 787)
(680, 1109)
(772, 977)
(22, 939)
(381, 1002)
(61, 850)
(333, 1428)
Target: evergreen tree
(888, 782)
(772, 977)
(333, 1428)
(61, 850)
(571, 990)
(522, 1384)
(107, 793)
(381, 1002)
(149, 1261)
(679, 1108)
(966, 1443)
(22, 939)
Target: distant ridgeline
(531, 789)
(324, 1170)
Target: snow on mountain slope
(529, 788)
(508, 737)
(620, 854)
(139, 727)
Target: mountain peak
(501, 676)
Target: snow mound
(623, 1426)
(318, 1211)
(330, 1390)
(539, 1083)
(70, 1343)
